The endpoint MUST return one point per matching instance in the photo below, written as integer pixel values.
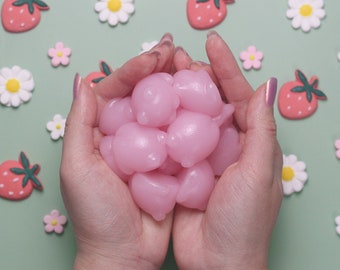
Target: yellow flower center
(13, 85)
(58, 126)
(306, 10)
(114, 5)
(252, 57)
(59, 54)
(54, 222)
(287, 174)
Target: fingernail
(212, 33)
(181, 49)
(167, 37)
(198, 64)
(76, 85)
(271, 89)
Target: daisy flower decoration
(147, 46)
(251, 58)
(294, 175)
(54, 222)
(16, 86)
(114, 11)
(56, 127)
(60, 55)
(306, 14)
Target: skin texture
(233, 233)
(110, 230)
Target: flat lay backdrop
(305, 236)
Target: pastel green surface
(304, 237)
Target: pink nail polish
(271, 89)
(76, 85)
(167, 37)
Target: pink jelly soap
(169, 140)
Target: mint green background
(304, 237)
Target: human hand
(234, 232)
(110, 230)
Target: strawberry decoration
(205, 14)
(95, 77)
(21, 15)
(18, 178)
(299, 99)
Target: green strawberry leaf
(30, 3)
(106, 69)
(29, 173)
(216, 2)
(97, 80)
(310, 89)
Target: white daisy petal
(128, 8)
(15, 100)
(293, 174)
(305, 25)
(27, 85)
(56, 127)
(16, 70)
(114, 14)
(296, 22)
(6, 73)
(123, 17)
(24, 75)
(16, 85)
(5, 98)
(305, 14)
(99, 6)
(113, 19)
(337, 220)
(337, 229)
(288, 188)
(104, 15)
(320, 13)
(318, 4)
(297, 185)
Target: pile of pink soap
(169, 140)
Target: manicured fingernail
(166, 37)
(198, 64)
(181, 49)
(271, 89)
(76, 85)
(212, 33)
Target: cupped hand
(110, 230)
(234, 232)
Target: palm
(247, 197)
(105, 218)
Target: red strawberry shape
(205, 14)
(299, 99)
(21, 15)
(18, 178)
(95, 77)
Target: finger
(78, 138)
(235, 87)
(182, 59)
(261, 146)
(122, 80)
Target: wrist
(109, 259)
(245, 261)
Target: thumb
(261, 148)
(78, 139)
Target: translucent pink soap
(170, 140)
